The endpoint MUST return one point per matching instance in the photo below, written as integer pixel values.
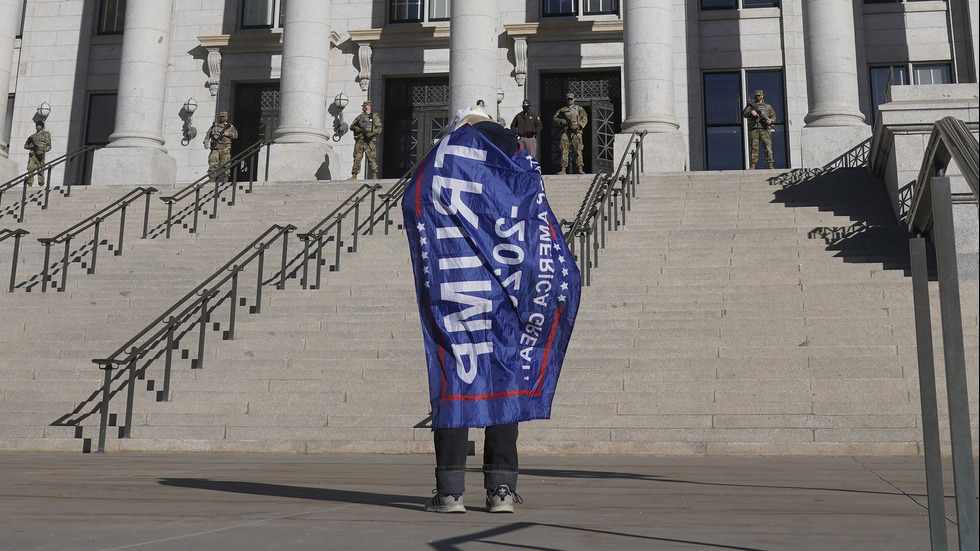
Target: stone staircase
(735, 313)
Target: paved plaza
(157, 502)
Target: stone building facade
(119, 73)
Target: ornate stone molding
(520, 59)
(214, 70)
(598, 30)
(364, 59)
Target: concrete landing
(156, 502)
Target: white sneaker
(502, 500)
(448, 503)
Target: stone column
(302, 150)
(9, 23)
(648, 70)
(834, 122)
(473, 44)
(135, 154)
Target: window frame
(276, 17)
(741, 5)
(909, 67)
(424, 8)
(119, 24)
(580, 9)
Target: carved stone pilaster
(520, 57)
(364, 58)
(214, 70)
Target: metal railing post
(64, 266)
(130, 393)
(197, 207)
(927, 393)
(46, 242)
(146, 216)
(47, 188)
(168, 359)
(170, 217)
(205, 297)
(282, 267)
(257, 309)
(217, 193)
(340, 242)
(95, 249)
(306, 258)
(957, 394)
(319, 259)
(122, 231)
(104, 409)
(23, 202)
(234, 304)
(13, 263)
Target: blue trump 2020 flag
(497, 288)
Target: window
(552, 8)
(112, 16)
(413, 11)
(726, 135)
(737, 4)
(263, 14)
(23, 15)
(925, 73)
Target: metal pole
(130, 394)
(170, 216)
(257, 309)
(146, 217)
(203, 330)
(306, 262)
(197, 207)
(13, 263)
(927, 394)
(168, 362)
(957, 394)
(95, 247)
(282, 269)
(122, 231)
(234, 305)
(217, 192)
(46, 241)
(319, 259)
(104, 409)
(64, 266)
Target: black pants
(499, 458)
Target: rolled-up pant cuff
(451, 480)
(495, 475)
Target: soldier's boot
(562, 171)
(770, 165)
(581, 169)
(352, 177)
(752, 166)
(374, 175)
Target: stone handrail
(951, 140)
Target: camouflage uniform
(572, 119)
(39, 143)
(759, 129)
(218, 139)
(366, 128)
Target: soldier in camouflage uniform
(218, 139)
(761, 118)
(39, 143)
(571, 119)
(366, 128)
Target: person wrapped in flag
(498, 292)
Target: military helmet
(39, 123)
(569, 96)
(759, 93)
(366, 103)
(223, 114)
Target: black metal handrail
(608, 200)
(6, 233)
(393, 196)
(70, 157)
(193, 306)
(334, 222)
(94, 221)
(250, 156)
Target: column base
(8, 170)
(662, 151)
(303, 162)
(835, 146)
(134, 166)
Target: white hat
(468, 115)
